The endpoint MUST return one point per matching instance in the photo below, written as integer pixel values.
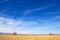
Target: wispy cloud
(7, 24)
(56, 12)
(56, 17)
(1, 1)
(27, 12)
(26, 27)
(37, 9)
(33, 10)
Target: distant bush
(51, 34)
(14, 33)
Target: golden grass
(29, 37)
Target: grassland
(29, 37)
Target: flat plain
(29, 37)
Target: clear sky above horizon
(30, 16)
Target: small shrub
(14, 33)
(50, 33)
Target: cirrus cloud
(9, 24)
(3, 1)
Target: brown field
(29, 37)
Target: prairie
(29, 37)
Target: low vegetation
(29, 37)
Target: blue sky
(30, 16)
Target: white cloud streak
(56, 12)
(37, 9)
(3, 1)
(10, 25)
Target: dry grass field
(29, 37)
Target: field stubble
(29, 37)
